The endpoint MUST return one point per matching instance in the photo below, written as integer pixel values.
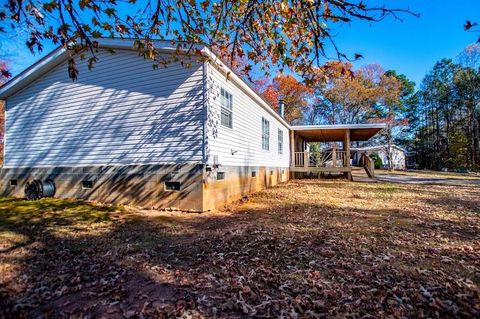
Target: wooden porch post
(346, 149)
(334, 155)
(292, 148)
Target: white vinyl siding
(265, 134)
(226, 116)
(280, 141)
(121, 112)
(242, 144)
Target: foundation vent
(172, 186)
(254, 174)
(86, 184)
(13, 182)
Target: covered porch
(335, 159)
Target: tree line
(343, 95)
(446, 121)
(438, 122)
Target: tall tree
(467, 86)
(294, 94)
(447, 133)
(293, 34)
(440, 110)
(395, 91)
(344, 96)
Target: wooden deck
(334, 159)
(330, 161)
(320, 169)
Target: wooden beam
(292, 148)
(346, 159)
(346, 148)
(337, 169)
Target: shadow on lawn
(300, 258)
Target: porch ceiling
(333, 133)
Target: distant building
(398, 155)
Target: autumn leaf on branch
(4, 73)
(468, 26)
(283, 35)
(286, 87)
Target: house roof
(358, 132)
(60, 55)
(332, 133)
(377, 147)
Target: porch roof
(333, 133)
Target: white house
(181, 137)
(398, 155)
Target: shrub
(376, 160)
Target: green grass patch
(20, 215)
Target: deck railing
(368, 164)
(333, 158)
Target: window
(172, 186)
(13, 182)
(220, 175)
(265, 134)
(280, 141)
(227, 108)
(254, 174)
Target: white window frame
(280, 141)
(226, 109)
(265, 134)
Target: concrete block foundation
(237, 182)
(201, 188)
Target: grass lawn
(307, 248)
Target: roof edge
(33, 72)
(232, 76)
(338, 126)
(60, 54)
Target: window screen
(226, 101)
(280, 141)
(265, 134)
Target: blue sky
(411, 47)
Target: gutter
(244, 86)
(338, 126)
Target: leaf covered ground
(305, 249)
